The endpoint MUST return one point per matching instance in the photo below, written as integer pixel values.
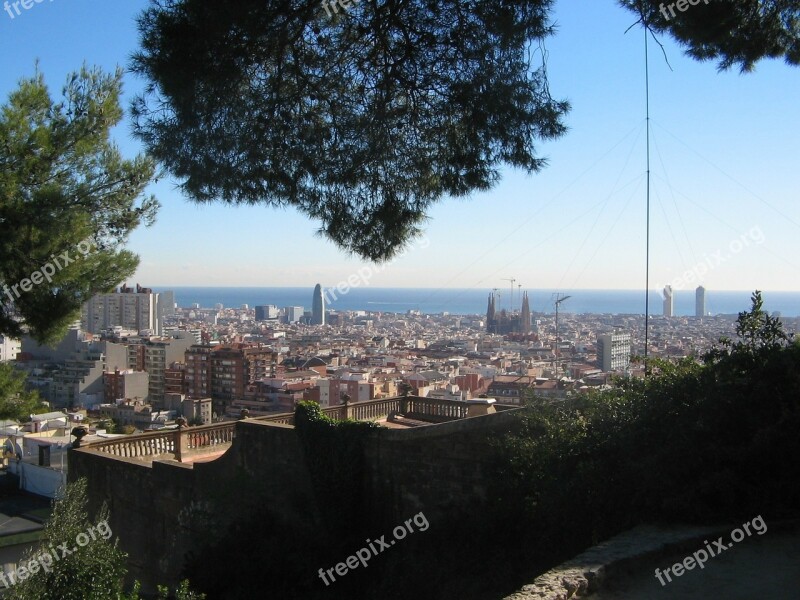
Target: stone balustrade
(148, 444)
(370, 410)
(442, 409)
(198, 440)
(282, 418)
(186, 442)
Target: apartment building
(137, 309)
(614, 351)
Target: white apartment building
(137, 309)
(9, 348)
(614, 351)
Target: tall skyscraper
(317, 306)
(669, 304)
(700, 302)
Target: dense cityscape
(139, 360)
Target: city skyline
(472, 302)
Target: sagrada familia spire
(525, 315)
(503, 322)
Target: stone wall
(159, 508)
(440, 470)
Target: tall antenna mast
(647, 236)
(559, 300)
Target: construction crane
(559, 300)
(511, 299)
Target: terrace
(207, 442)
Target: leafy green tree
(758, 335)
(182, 592)
(118, 427)
(732, 32)
(757, 330)
(94, 571)
(361, 121)
(108, 425)
(16, 403)
(703, 441)
(68, 201)
(365, 118)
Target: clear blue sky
(724, 168)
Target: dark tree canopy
(16, 402)
(68, 201)
(361, 120)
(732, 32)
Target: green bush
(94, 571)
(707, 441)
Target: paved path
(766, 566)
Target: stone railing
(358, 411)
(441, 409)
(282, 418)
(180, 443)
(208, 437)
(376, 409)
(143, 445)
(186, 442)
(334, 412)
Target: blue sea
(473, 301)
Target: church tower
(490, 315)
(525, 315)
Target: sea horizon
(473, 301)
